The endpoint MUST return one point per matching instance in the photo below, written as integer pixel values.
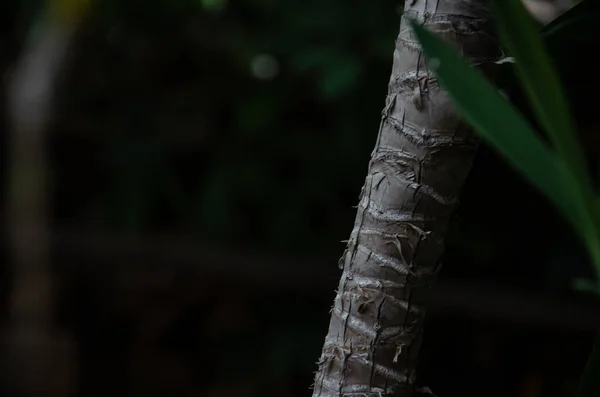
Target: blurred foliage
(187, 127)
(252, 123)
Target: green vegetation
(559, 171)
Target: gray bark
(420, 162)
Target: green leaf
(572, 39)
(540, 81)
(570, 36)
(544, 90)
(499, 123)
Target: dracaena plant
(556, 166)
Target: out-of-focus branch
(171, 256)
(36, 355)
(30, 103)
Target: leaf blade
(541, 84)
(499, 123)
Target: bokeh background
(203, 161)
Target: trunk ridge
(421, 159)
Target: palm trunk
(420, 162)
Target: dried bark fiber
(420, 162)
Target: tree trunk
(420, 162)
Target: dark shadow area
(204, 161)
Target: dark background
(204, 159)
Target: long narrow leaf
(541, 83)
(545, 92)
(499, 123)
(572, 35)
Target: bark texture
(420, 162)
